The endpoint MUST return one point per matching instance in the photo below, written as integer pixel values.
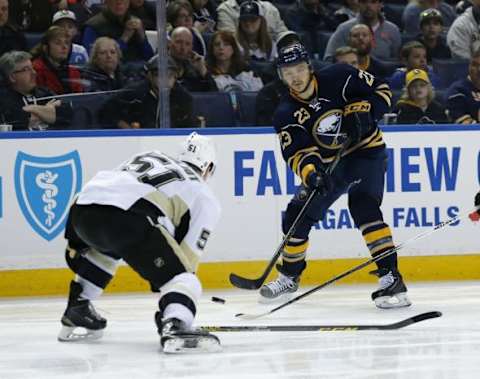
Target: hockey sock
(293, 257)
(378, 238)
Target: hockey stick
(254, 284)
(323, 328)
(386, 253)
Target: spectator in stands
(311, 15)
(252, 34)
(463, 37)
(35, 15)
(104, 73)
(180, 13)
(417, 104)
(193, 73)
(411, 14)
(361, 38)
(204, 15)
(347, 11)
(431, 26)
(115, 22)
(269, 96)
(227, 66)
(386, 34)
(10, 37)
(66, 19)
(347, 55)
(51, 63)
(137, 107)
(229, 13)
(145, 11)
(463, 96)
(414, 56)
(83, 10)
(22, 105)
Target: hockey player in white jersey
(156, 213)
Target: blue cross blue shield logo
(45, 187)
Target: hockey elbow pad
(357, 121)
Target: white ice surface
(443, 348)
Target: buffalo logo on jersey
(45, 188)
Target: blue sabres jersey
(463, 102)
(310, 131)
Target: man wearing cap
(463, 37)
(137, 107)
(417, 104)
(411, 14)
(228, 13)
(463, 96)
(66, 19)
(431, 26)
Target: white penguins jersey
(186, 201)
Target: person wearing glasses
(23, 104)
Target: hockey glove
(357, 121)
(321, 181)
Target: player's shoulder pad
(284, 113)
(335, 73)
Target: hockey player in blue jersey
(321, 112)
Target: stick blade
(246, 316)
(426, 316)
(244, 283)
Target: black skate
(80, 313)
(175, 338)
(392, 292)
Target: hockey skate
(175, 338)
(279, 289)
(392, 292)
(80, 313)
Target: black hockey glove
(357, 121)
(321, 181)
(477, 201)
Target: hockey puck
(218, 300)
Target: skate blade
(275, 300)
(397, 301)
(71, 334)
(186, 345)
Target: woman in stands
(227, 66)
(180, 13)
(252, 34)
(103, 72)
(51, 63)
(417, 104)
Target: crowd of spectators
(58, 57)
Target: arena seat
(450, 70)
(215, 107)
(320, 42)
(32, 39)
(246, 104)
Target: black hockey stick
(323, 328)
(386, 253)
(254, 284)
